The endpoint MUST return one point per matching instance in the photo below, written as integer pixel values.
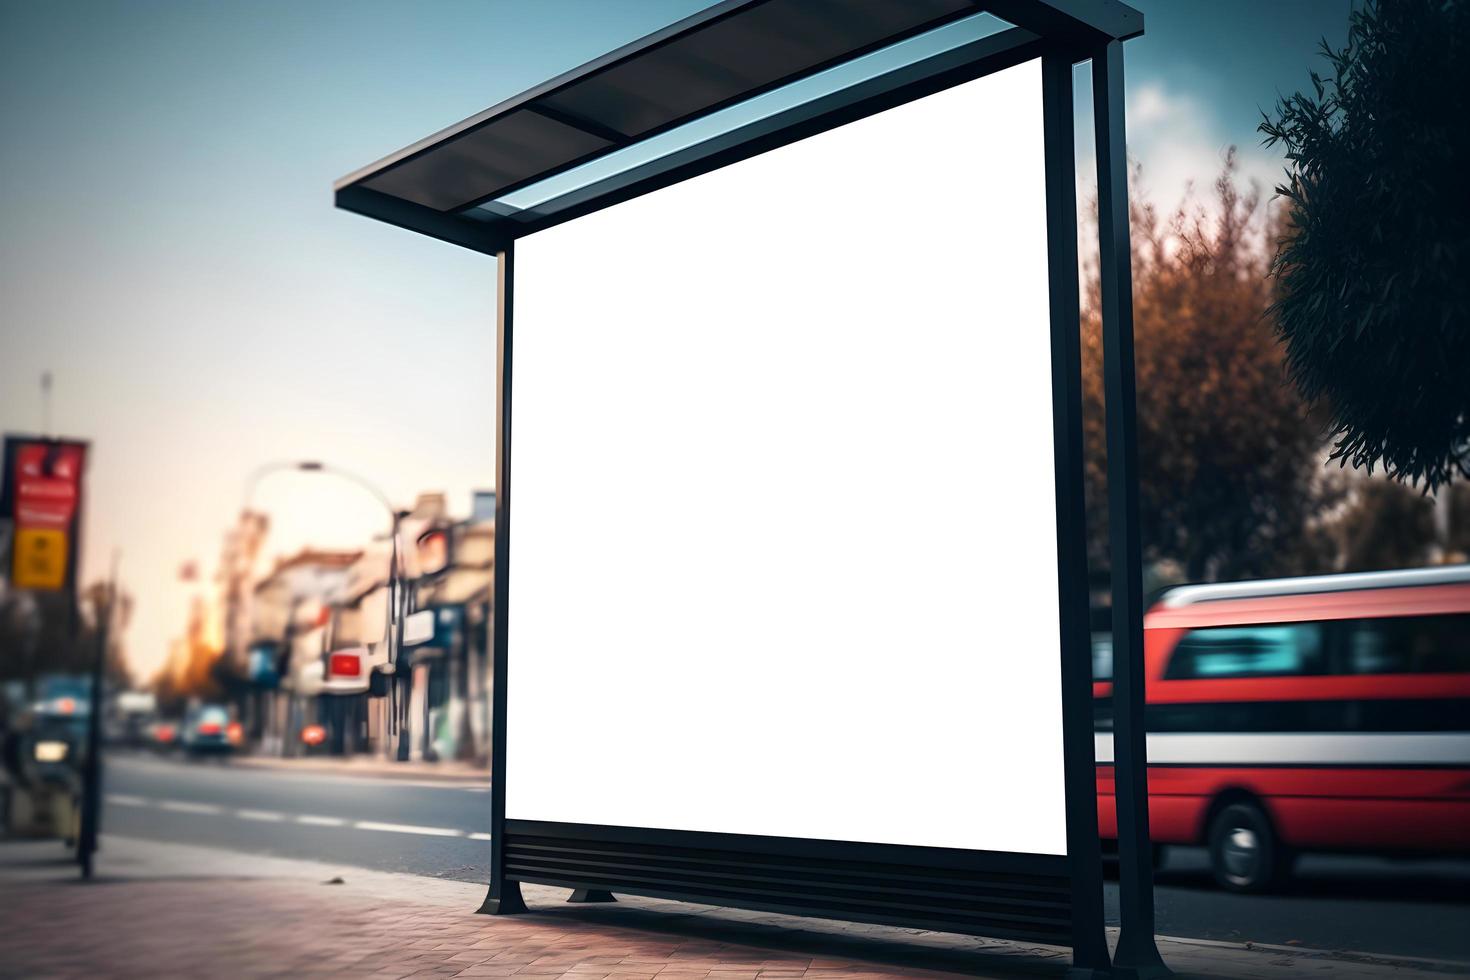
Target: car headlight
(51, 751)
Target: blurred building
(236, 568)
(322, 648)
(289, 610)
(449, 712)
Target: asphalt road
(1367, 905)
(384, 824)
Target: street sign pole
(92, 770)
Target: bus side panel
(1390, 810)
(1107, 803)
(1425, 810)
(1181, 799)
(1174, 817)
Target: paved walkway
(172, 910)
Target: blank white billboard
(783, 530)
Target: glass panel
(1102, 656)
(1409, 645)
(1249, 651)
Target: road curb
(1460, 967)
(307, 766)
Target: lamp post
(395, 590)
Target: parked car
(1324, 713)
(163, 735)
(206, 731)
(44, 749)
(130, 719)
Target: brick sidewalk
(165, 910)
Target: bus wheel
(1245, 853)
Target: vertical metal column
(1089, 945)
(91, 815)
(1136, 955)
(504, 897)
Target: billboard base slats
(918, 893)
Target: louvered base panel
(1014, 896)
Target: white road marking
(183, 806)
(267, 815)
(403, 828)
(313, 821)
(479, 837)
(123, 799)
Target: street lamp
(395, 584)
(394, 517)
(317, 466)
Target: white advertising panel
(783, 527)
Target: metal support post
(1089, 944)
(1137, 954)
(504, 897)
(587, 896)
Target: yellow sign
(40, 558)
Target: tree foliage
(1374, 270)
(1384, 524)
(45, 633)
(1231, 480)
(190, 672)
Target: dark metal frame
(1083, 846)
(504, 896)
(985, 893)
(1137, 952)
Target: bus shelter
(790, 603)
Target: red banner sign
(43, 491)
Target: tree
(1374, 269)
(46, 633)
(98, 601)
(190, 671)
(1385, 524)
(1231, 480)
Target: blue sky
(168, 246)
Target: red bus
(1324, 713)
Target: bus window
(1409, 645)
(1268, 650)
(1102, 656)
(1102, 670)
